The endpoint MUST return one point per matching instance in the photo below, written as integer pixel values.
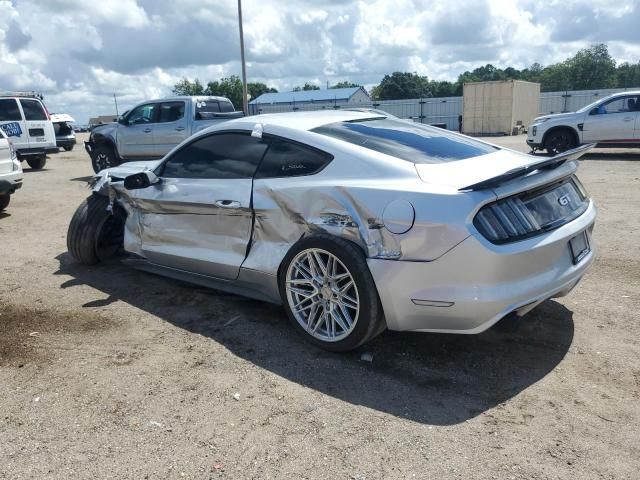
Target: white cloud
(80, 52)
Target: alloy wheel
(322, 295)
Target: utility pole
(245, 100)
(115, 100)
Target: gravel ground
(107, 372)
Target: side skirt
(252, 284)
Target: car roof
(187, 97)
(305, 120)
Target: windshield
(408, 141)
(590, 106)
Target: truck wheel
(329, 294)
(4, 201)
(68, 148)
(104, 157)
(559, 141)
(37, 163)
(95, 234)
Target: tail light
(530, 213)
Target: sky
(78, 53)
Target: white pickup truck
(152, 128)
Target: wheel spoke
(349, 302)
(300, 291)
(303, 270)
(346, 315)
(300, 281)
(337, 319)
(321, 265)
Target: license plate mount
(579, 246)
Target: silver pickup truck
(152, 128)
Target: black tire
(370, 321)
(95, 234)
(68, 148)
(37, 163)
(559, 141)
(103, 157)
(4, 201)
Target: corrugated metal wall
(443, 111)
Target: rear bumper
(65, 142)
(33, 152)
(475, 284)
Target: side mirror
(141, 180)
(594, 111)
(123, 121)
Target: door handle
(628, 119)
(227, 204)
(147, 130)
(179, 129)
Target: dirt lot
(107, 372)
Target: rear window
(412, 142)
(206, 109)
(226, 106)
(9, 111)
(33, 110)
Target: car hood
(129, 168)
(555, 116)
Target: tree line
(590, 68)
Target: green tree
(256, 89)
(628, 75)
(186, 87)
(591, 68)
(306, 86)
(344, 84)
(401, 85)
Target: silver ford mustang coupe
(354, 221)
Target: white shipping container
(499, 108)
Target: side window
(171, 112)
(206, 109)
(9, 111)
(33, 110)
(286, 159)
(143, 114)
(619, 105)
(225, 155)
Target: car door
(198, 218)
(13, 124)
(135, 132)
(611, 121)
(171, 127)
(37, 124)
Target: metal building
(303, 99)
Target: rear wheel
(104, 157)
(559, 141)
(329, 294)
(95, 234)
(68, 148)
(4, 201)
(37, 163)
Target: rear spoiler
(548, 164)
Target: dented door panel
(192, 224)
